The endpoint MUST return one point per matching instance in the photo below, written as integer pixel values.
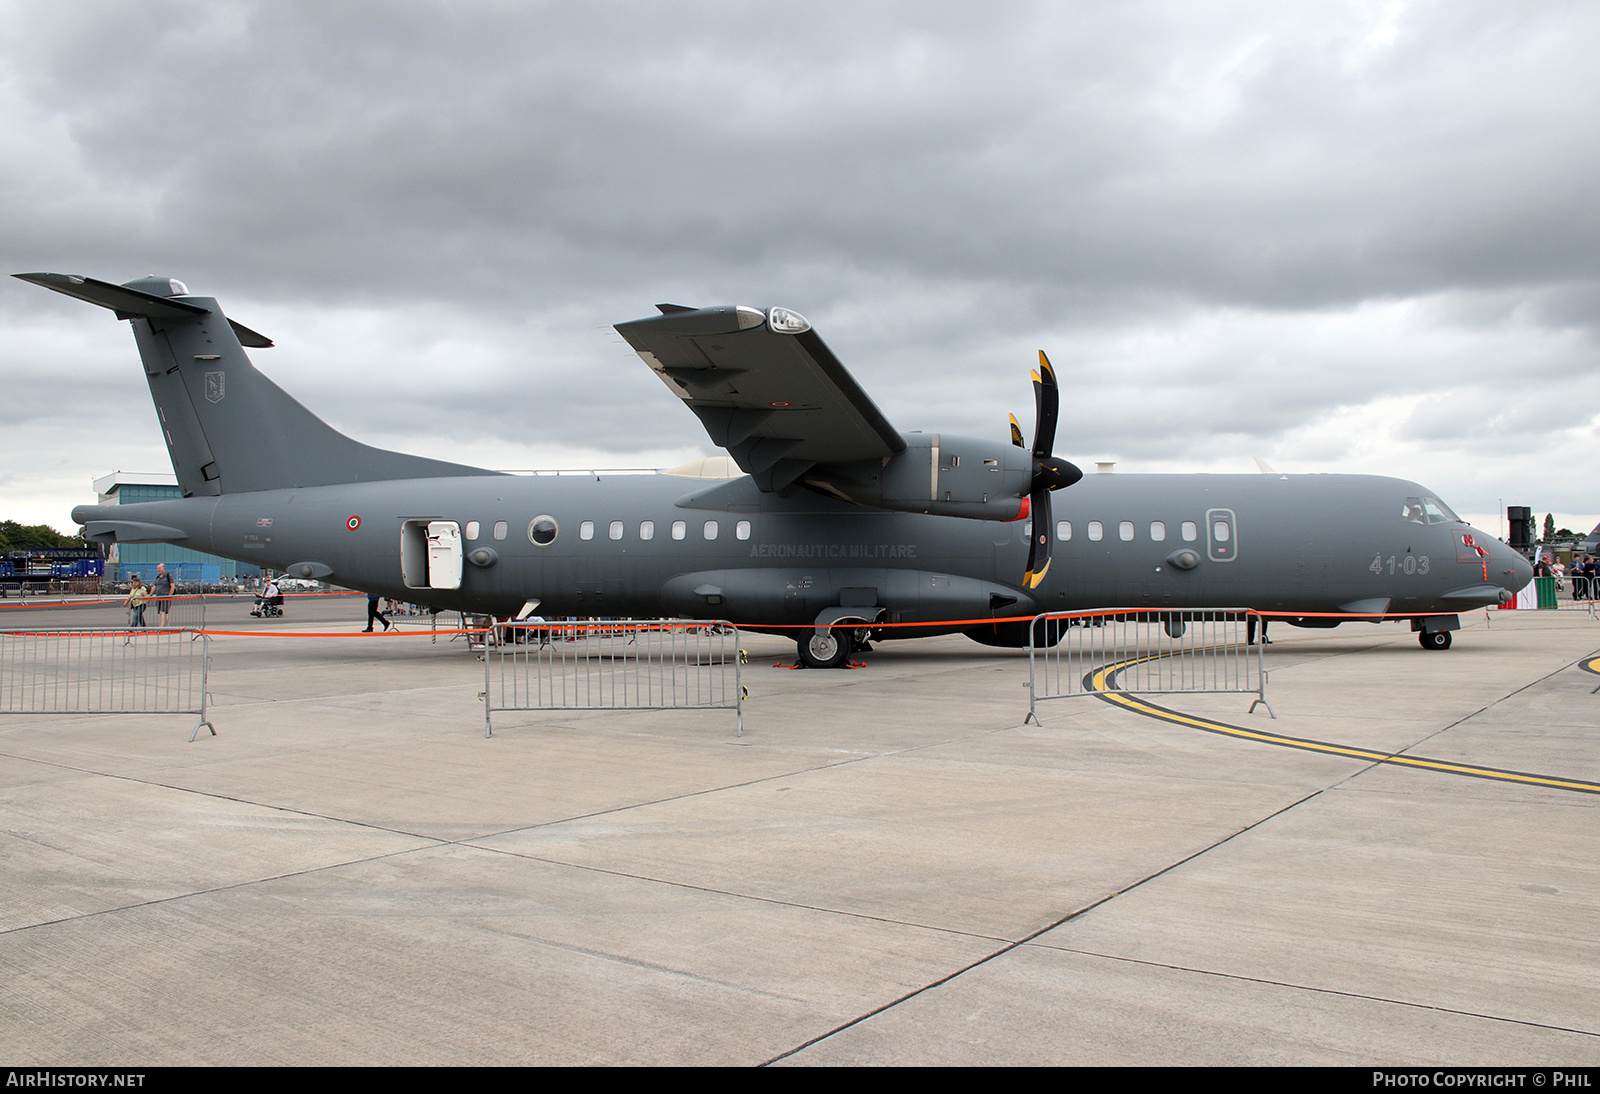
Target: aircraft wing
(766, 387)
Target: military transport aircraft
(839, 526)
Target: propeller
(1049, 473)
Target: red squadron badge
(353, 523)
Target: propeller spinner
(1049, 473)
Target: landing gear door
(430, 554)
(1222, 543)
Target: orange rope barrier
(565, 624)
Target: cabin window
(500, 529)
(1097, 531)
(1063, 530)
(742, 529)
(615, 529)
(1191, 531)
(1125, 531)
(1220, 531)
(472, 530)
(586, 530)
(710, 529)
(542, 530)
(647, 529)
(1158, 531)
(679, 529)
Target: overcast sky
(1357, 237)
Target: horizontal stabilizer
(127, 303)
(131, 303)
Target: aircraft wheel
(1434, 640)
(823, 651)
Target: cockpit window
(1439, 512)
(1428, 511)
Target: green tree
(27, 537)
(1549, 527)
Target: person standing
(135, 603)
(162, 589)
(374, 614)
(1250, 630)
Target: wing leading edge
(766, 387)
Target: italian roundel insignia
(353, 523)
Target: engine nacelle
(939, 473)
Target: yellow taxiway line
(1103, 682)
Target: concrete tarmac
(888, 868)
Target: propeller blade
(1016, 433)
(1039, 543)
(1047, 404)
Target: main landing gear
(831, 649)
(1434, 640)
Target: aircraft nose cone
(1506, 568)
(1521, 570)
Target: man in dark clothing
(162, 590)
(374, 614)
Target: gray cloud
(1225, 222)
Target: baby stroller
(268, 606)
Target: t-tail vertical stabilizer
(228, 428)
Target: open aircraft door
(430, 554)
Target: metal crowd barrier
(185, 611)
(135, 671)
(619, 664)
(1148, 651)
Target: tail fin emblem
(215, 386)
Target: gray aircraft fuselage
(1296, 544)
